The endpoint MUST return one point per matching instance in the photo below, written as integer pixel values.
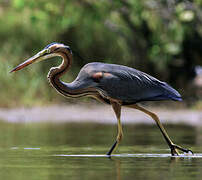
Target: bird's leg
(173, 147)
(117, 109)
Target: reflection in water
(118, 169)
(181, 156)
(77, 151)
(88, 135)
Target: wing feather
(130, 85)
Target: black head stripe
(51, 44)
(63, 46)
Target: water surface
(77, 151)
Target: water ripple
(133, 155)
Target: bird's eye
(44, 52)
(48, 50)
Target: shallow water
(77, 151)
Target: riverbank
(97, 114)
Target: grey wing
(130, 86)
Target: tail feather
(171, 93)
(176, 98)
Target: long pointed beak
(26, 63)
(36, 58)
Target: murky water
(77, 151)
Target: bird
(113, 84)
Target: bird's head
(51, 50)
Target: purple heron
(112, 84)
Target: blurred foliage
(162, 38)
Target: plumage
(126, 84)
(114, 84)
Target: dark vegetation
(162, 38)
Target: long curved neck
(56, 72)
(66, 89)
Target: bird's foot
(174, 150)
(112, 148)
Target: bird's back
(127, 84)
